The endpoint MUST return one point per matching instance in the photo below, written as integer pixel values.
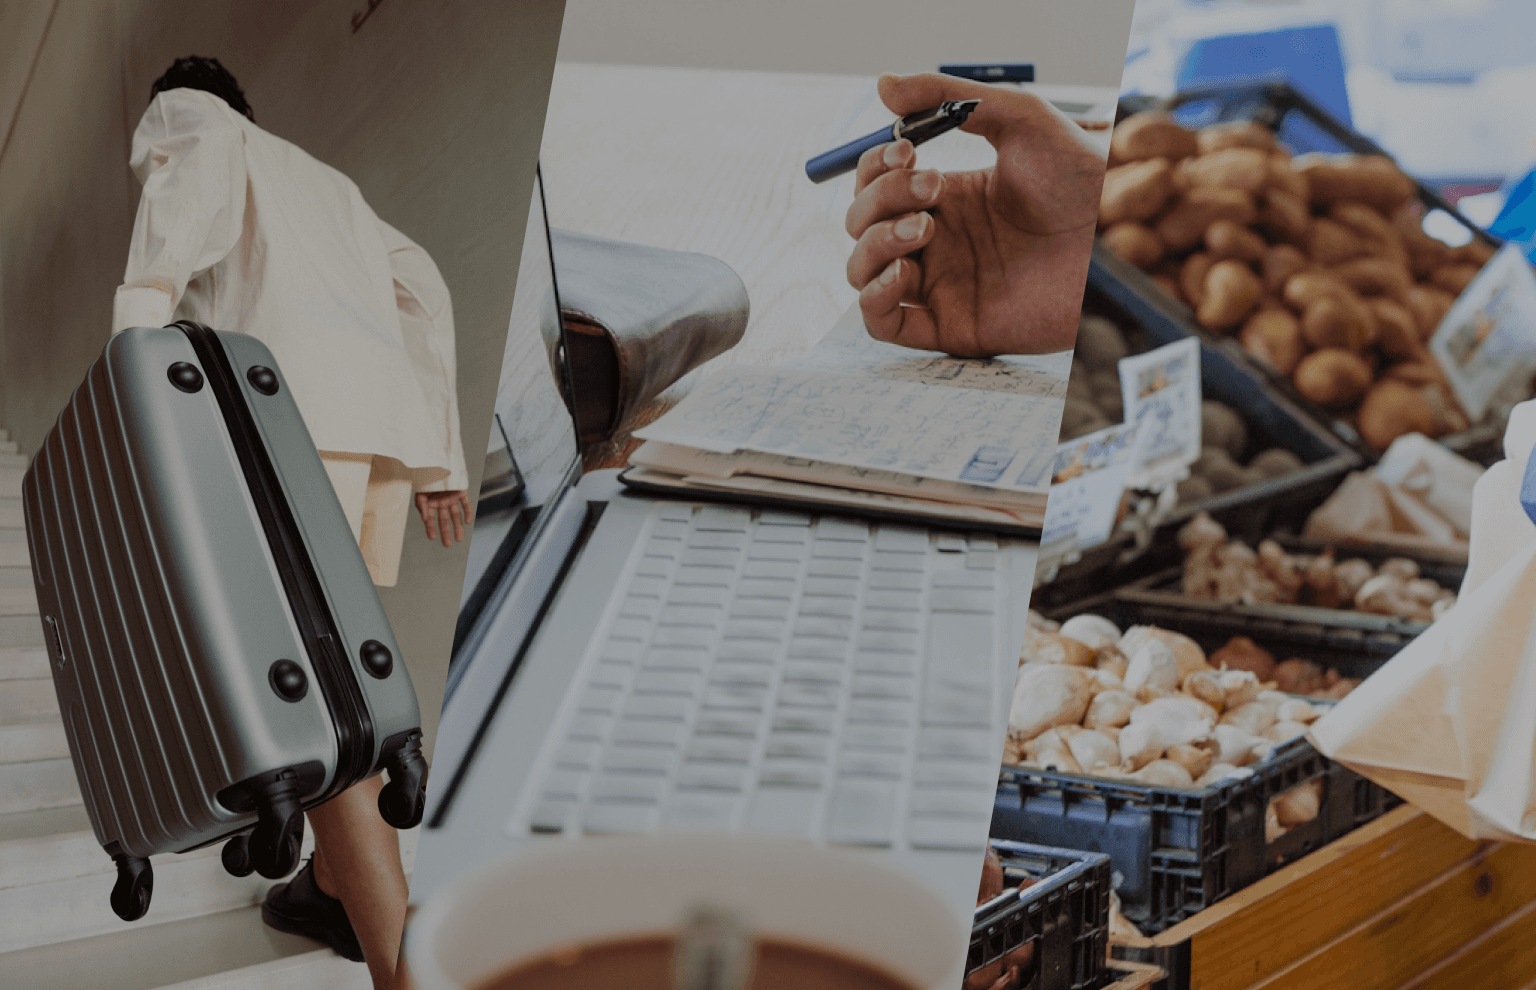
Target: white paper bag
(1449, 724)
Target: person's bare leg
(357, 861)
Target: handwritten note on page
(995, 439)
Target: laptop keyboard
(786, 674)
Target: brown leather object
(637, 319)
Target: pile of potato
(1147, 706)
(1226, 570)
(1319, 263)
(1094, 402)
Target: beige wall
(1076, 42)
(433, 107)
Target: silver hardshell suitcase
(220, 655)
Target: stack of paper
(856, 422)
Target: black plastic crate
(1177, 851)
(1306, 126)
(1303, 623)
(1065, 915)
(1227, 375)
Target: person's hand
(1004, 250)
(445, 514)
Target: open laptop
(640, 665)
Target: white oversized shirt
(243, 231)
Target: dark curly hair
(205, 74)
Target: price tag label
(1087, 485)
(1161, 391)
(1488, 338)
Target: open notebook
(859, 424)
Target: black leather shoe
(300, 907)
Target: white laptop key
(701, 811)
(863, 811)
(620, 818)
(785, 810)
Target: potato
(1195, 758)
(1094, 751)
(1474, 252)
(1300, 289)
(1284, 177)
(1339, 320)
(1151, 134)
(1280, 263)
(1192, 277)
(1428, 305)
(1370, 179)
(1231, 168)
(1285, 217)
(1228, 239)
(1375, 277)
(1454, 278)
(1222, 426)
(1185, 650)
(1274, 337)
(1275, 462)
(1397, 331)
(1137, 191)
(1109, 709)
(1234, 134)
(1298, 805)
(1392, 409)
(1205, 685)
(1219, 470)
(1194, 489)
(1330, 243)
(1184, 226)
(1232, 291)
(1299, 677)
(1094, 631)
(1332, 377)
(1134, 243)
(1164, 773)
(1169, 285)
(1380, 237)
(1100, 344)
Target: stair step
(15, 577)
(8, 446)
(42, 738)
(21, 631)
(10, 481)
(18, 601)
(23, 662)
(227, 949)
(11, 514)
(54, 886)
(37, 784)
(26, 700)
(13, 459)
(13, 553)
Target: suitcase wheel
(274, 843)
(135, 884)
(403, 800)
(237, 856)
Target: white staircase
(57, 930)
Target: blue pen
(924, 125)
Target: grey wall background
(1078, 42)
(434, 108)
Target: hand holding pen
(1004, 250)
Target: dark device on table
(992, 72)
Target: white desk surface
(714, 161)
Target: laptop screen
(538, 425)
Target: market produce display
(1220, 569)
(1319, 264)
(1094, 402)
(1148, 706)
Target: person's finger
(885, 242)
(884, 316)
(456, 513)
(445, 526)
(429, 518)
(469, 508)
(1000, 110)
(881, 159)
(891, 195)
